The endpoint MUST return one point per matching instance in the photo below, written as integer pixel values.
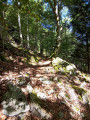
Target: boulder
(22, 79)
(40, 112)
(57, 61)
(70, 67)
(63, 66)
(29, 88)
(14, 101)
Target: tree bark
(3, 41)
(41, 48)
(19, 24)
(88, 57)
(36, 41)
(56, 7)
(28, 45)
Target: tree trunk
(36, 46)
(19, 23)
(66, 43)
(41, 47)
(88, 59)
(58, 42)
(28, 45)
(56, 7)
(3, 41)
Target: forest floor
(57, 95)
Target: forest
(44, 60)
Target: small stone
(20, 81)
(82, 115)
(41, 78)
(29, 88)
(71, 67)
(56, 79)
(40, 112)
(50, 91)
(41, 95)
(85, 98)
(47, 82)
(46, 72)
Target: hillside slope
(54, 89)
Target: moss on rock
(63, 66)
(14, 101)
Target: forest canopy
(48, 27)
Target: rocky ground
(50, 94)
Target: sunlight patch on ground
(83, 84)
(40, 112)
(76, 109)
(44, 80)
(69, 95)
(38, 75)
(47, 82)
(65, 92)
(42, 95)
(72, 94)
(62, 94)
(11, 107)
(60, 86)
(45, 63)
(29, 88)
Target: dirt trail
(51, 91)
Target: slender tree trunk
(66, 42)
(36, 43)
(58, 42)
(56, 7)
(36, 39)
(88, 57)
(19, 23)
(41, 47)
(41, 50)
(3, 41)
(28, 45)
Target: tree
(19, 24)
(3, 24)
(56, 8)
(80, 14)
